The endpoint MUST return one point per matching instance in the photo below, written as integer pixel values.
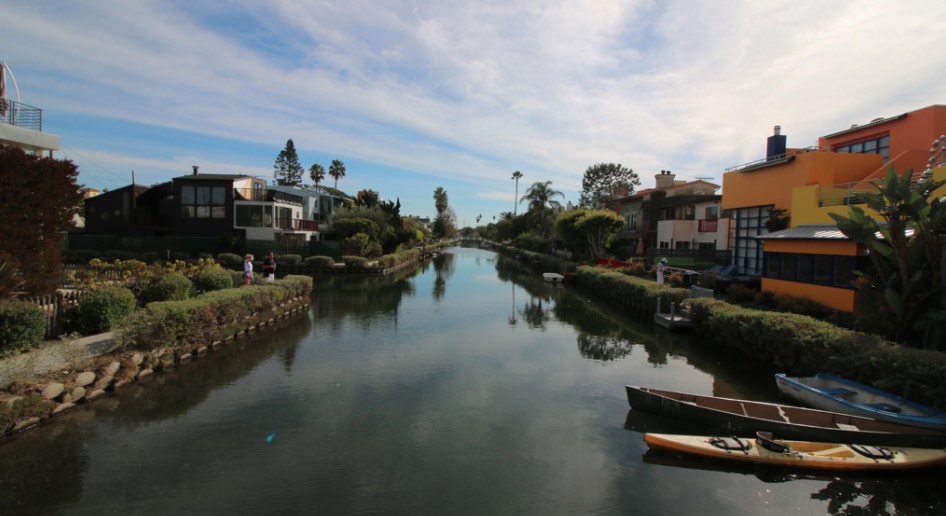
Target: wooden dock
(671, 320)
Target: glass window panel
(822, 269)
(884, 141)
(187, 195)
(772, 264)
(244, 215)
(842, 271)
(187, 212)
(219, 196)
(203, 195)
(804, 268)
(203, 212)
(870, 146)
(788, 266)
(218, 212)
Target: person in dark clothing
(269, 267)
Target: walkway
(52, 356)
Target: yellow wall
(832, 247)
(840, 299)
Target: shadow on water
(44, 468)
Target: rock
(77, 393)
(104, 383)
(158, 353)
(215, 344)
(121, 383)
(25, 423)
(112, 368)
(85, 378)
(137, 359)
(94, 393)
(12, 399)
(201, 350)
(185, 357)
(53, 390)
(62, 407)
(144, 372)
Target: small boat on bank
(768, 450)
(553, 277)
(745, 417)
(830, 392)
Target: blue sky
(413, 95)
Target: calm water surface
(464, 387)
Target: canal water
(466, 386)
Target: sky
(416, 95)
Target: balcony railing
(21, 115)
(266, 195)
(708, 225)
(287, 224)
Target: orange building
(810, 257)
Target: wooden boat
(745, 417)
(830, 392)
(768, 450)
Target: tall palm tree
(440, 200)
(337, 170)
(317, 173)
(541, 195)
(516, 175)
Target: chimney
(195, 167)
(775, 145)
(664, 179)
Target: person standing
(660, 270)
(269, 267)
(248, 269)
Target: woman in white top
(248, 269)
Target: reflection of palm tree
(512, 314)
(516, 175)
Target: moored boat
(768, 450)
(830, 392)
(745, 417)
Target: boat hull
(745, 417)
(830, 392)
(800, 454)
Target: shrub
(738, 293)
(289, 260)
(101, 310)
(22, 325)
(676, 279)
(213, 279)
(230, 260)
(635, 268)
(167, 287)
(121, 254)
(319, 262)
(355, 262)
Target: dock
(671, 320)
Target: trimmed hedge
(389, 261)
(207, 317)
(230, 260)
(101, 310)
(355, 262)
(209, 280)
(636, 295)
(289, 260)
(22, 325)
(319, 262)
(173, 286)
(803, 346)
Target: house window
(873, 146)
(682, 245)
(747, 252)
(254, 216)
(712, 212)
(203, 202)
(836, 271)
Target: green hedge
(167, 287)
(389, 261)
(355, 262)
(101, 310)
(207, 317)
(638, 296)
(319, 262)
(22, 325)
(213, 279)
(803, 346)
(289, 260)
(230, 260)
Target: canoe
(768, 450)
(830, 392)
(745, 417)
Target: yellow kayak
(766, 449)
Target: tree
(517, 176)
(287, 170)
(440, 200)
(37, 202)
(317, 174)
(337, 170)
(588, 232)
(602, 181)
(901, 289)
(541, 196)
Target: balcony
(708, 225)
(266, 195)
(286, 224)
(21, 115)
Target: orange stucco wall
(774, 184)
(832, 247)
(840, 299)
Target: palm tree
(317, 173)
(541, 195)
(516, 175)
(337, 170)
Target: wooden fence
(54, 306)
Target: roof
(213, 177)
(806, 232)
(876, 121)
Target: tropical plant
(541, 195)
(336, 170)
(905, 279)
(317, 174)
(441, 200)
(517, 176)
(287, 170)
(588, 232)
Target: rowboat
(830, 392)
(768, 450)
(745, 417)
